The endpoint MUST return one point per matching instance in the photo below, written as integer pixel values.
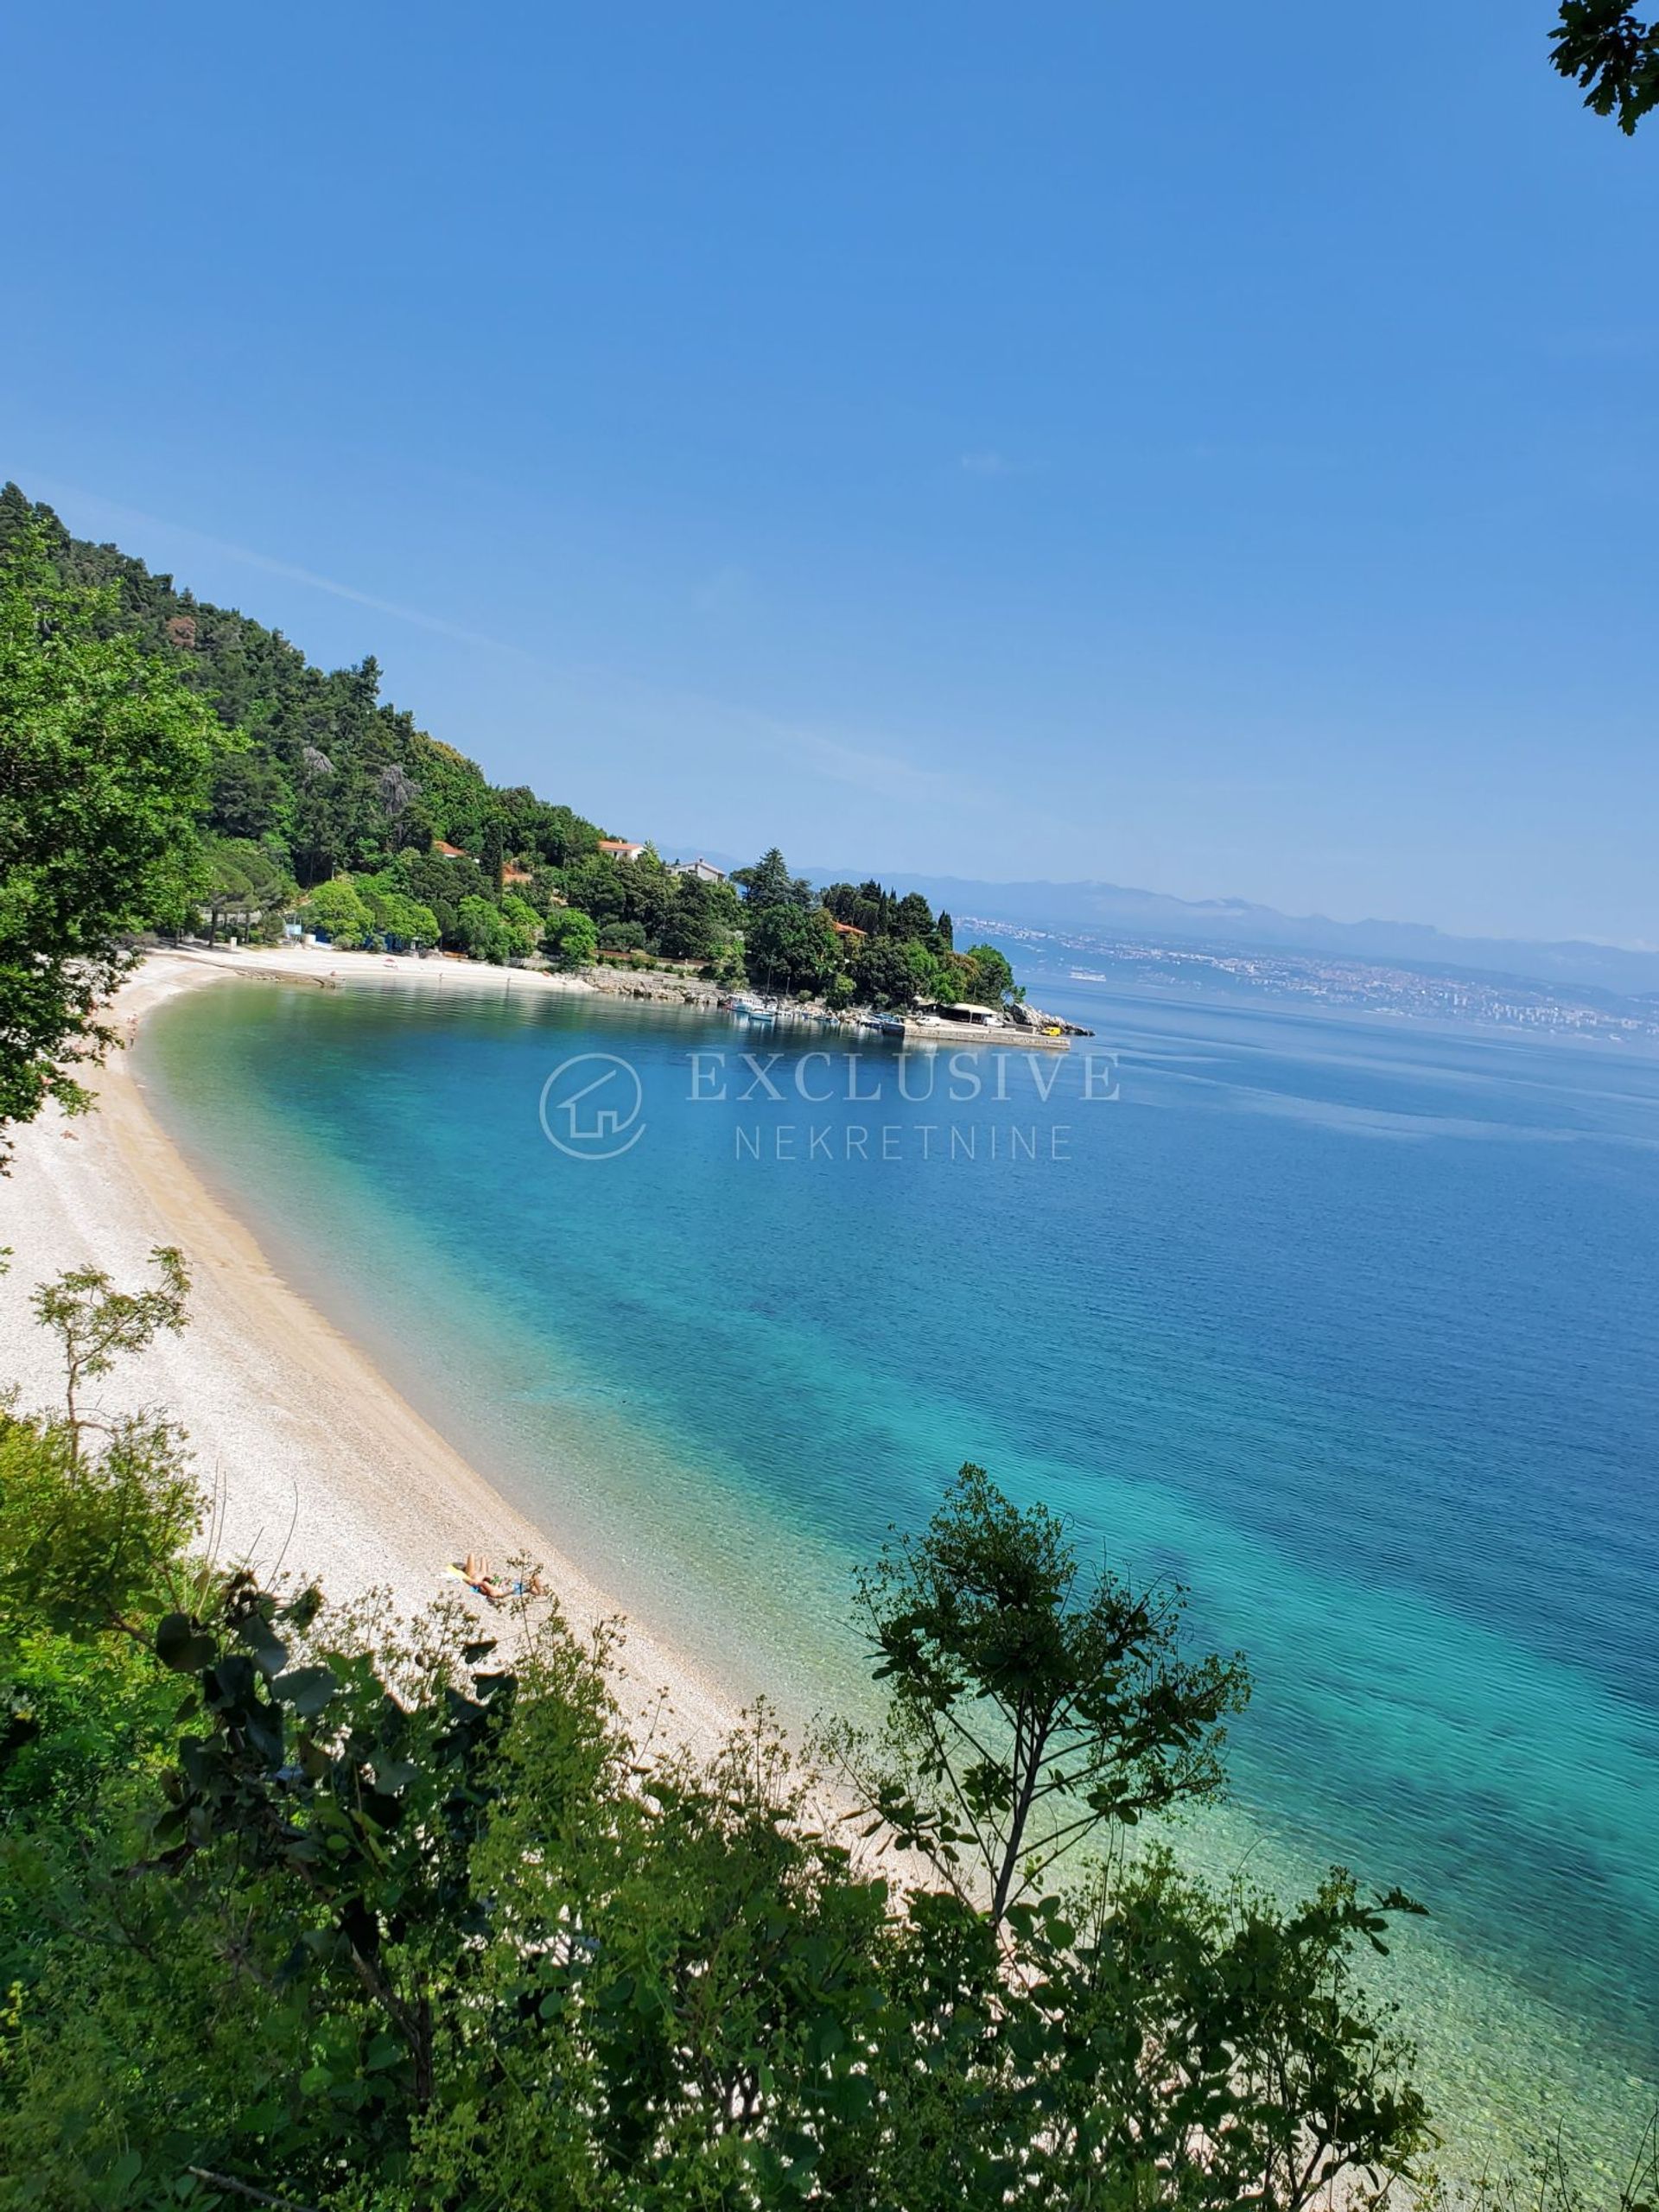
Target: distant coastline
(1326, 983)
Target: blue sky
(1211, 450)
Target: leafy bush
(484, 934)
(338, 911)
(570, 938)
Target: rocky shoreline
(661, 986)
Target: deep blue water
(1350, 1327)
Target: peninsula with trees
(328, 806)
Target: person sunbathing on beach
(475, 1573)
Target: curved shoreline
(315, 1462)
(318, 1459)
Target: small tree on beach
(96, 1323)
(1032, 1704)
(94, 1511)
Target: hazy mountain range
(1152, 917)
(1152, 914)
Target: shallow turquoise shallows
(1350, 1328)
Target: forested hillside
(329, 766)
(332, 802)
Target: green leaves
(246, 884)
(569, 937)
(181, 1646)
(1609, 50)
(786, 947)
(93, 1516)
(336, 911)
(105, 763)
(1033, 1702)
(307, 1690)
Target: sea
(1349, 1326)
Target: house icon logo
(590, 1106)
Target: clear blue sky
(982, 439)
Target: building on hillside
(705, 871)
(620, 849)
(513, 873)
(846, 930)
(448, 852)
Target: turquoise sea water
(1352, 1328)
